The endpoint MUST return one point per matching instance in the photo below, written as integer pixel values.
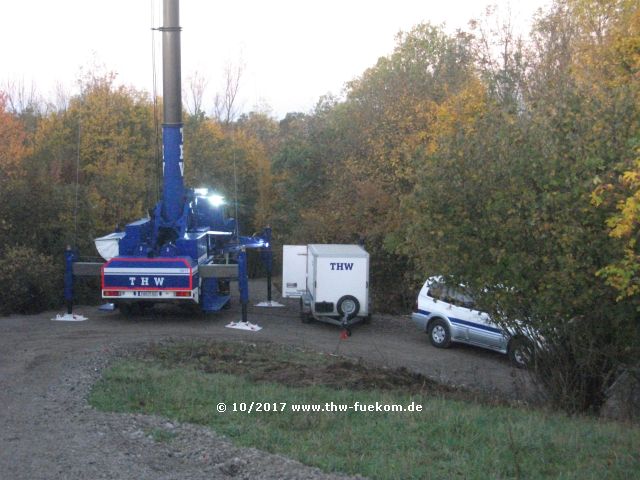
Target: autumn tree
(13, 150)
(364, 148)
(28, 272)
(615, 61)
(503, 203)
(99, 155)
(233, 161)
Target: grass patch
(448, 438)
(291, 366)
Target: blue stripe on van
(467, 323)
(475, 325)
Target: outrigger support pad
(252, 327)
(69, 317)
(270, 303)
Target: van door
(458, 313)
(485, 331)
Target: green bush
(30, 281)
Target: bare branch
(225, 109)
(21, 97)
(197, 85)
(62, 97)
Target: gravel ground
(48, 431)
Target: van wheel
(520, 352)
(439, 334)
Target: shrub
(30, 281)
(580, 359)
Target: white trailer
(337, 284)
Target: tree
(502, 203)
(103, 142)
(225, 107)
(13, 142)
(617, 68)
(197, 86)
(13, 151)
(233, 161)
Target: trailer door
(294, 270)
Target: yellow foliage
(13, 149)
(458, 111)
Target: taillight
(111, 293)
(183, 294)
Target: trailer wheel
(348, 306)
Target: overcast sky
(294, 51)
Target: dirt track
(47, 430)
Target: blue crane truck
(187, 250)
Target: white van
(448, 315)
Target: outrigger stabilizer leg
(266, 254)
(243, 284)
(69, 258)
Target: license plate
(148, 294)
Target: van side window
(450, 295)
(460, 299)
(436, 291)
(464, 300)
